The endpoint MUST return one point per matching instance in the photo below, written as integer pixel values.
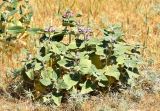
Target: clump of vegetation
(15, 18)
(15, 21)
(82, 65)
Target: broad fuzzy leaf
(130, 63)
(69, 81)
(111, 71)
(16, 29)
(98, 74)
(38, 66)
(63, 63)
(99, 50)
(121, 48)
(57, 98)
(34, 30)
(87, 87)
(85, 66)
(72, 45)
(55, 49)
(30, 74)
(49, 73)
(45, 81)
(132, 74)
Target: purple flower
(86, 31)
(88, 36)
(81, 30)
(50, 29)
(68, 14)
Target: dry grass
(126, 102)
(19, 105)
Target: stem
(70, 39)
(84, 37)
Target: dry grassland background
(140, 21)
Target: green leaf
(132, 74)
(34, 30)
(85, 66)
(130, 63)
(45, 81)
(57, 98)
(40, 58)
(87, 87)
(53, 76)
(60, 84)
(12, 12)
(73, 91)
(113, 32)
(16, 30)
(102, 83)
(69, 80)
(47, 57)
(79, 14)
(62, 63)
(72, 45)
(16, 23)
(84, 55)
(132, 77)
(58, 36)
(99, 50)
(38, 66)
(30, 74)
(121, 59)
(96, 60)
(111, 71)
(94, 41)
(98, 74)
(14, 3)
(49, 73)
(55, 49)
(61, 47)
(121, 48)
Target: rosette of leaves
(80, 66)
